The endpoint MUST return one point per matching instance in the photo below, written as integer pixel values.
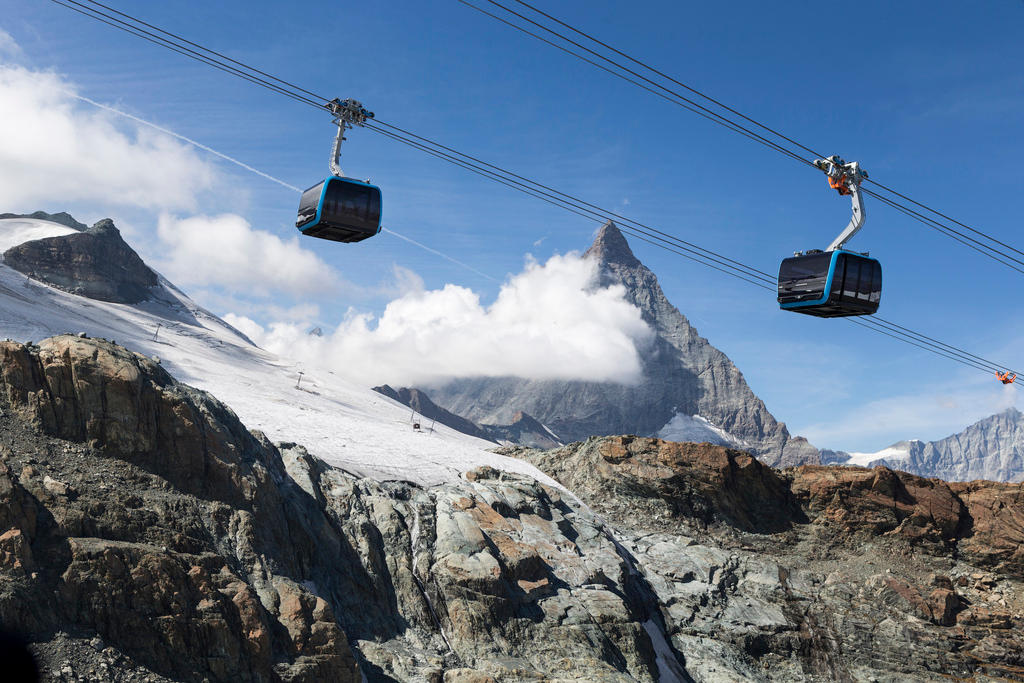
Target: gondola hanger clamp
(834, 282)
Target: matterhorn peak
(610, 247)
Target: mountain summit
(685, 379)
(611, 248)
(94, 262)
(992, 448)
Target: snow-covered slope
(683, 427)
(890, 456)
(15, 231)
(346, 425)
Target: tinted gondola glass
(340, 209)
(831, 284)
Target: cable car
(834, 283)
(830, 284)
(340, 209)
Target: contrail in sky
(260, 173)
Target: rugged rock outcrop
(664, 481)
(813, 573)
(143, 530)
(95, 263)
(682, 373)
(140, 514)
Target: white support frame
(851, 176)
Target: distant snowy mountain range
(992, 448)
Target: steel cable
(975, 244)
(565, 201)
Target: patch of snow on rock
(15, 231)
(697, 429)
(899, 451)
(665, 659)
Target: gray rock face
(682, 372)
(95, 263)
(140, 517)
(525, 430)
(140, 513)
(991, 449)
(814, 573)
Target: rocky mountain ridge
(60, 218)
(992, 448)
(682, 374)
(524, 430)
(95, 262)
(140, 521)
(141, 513)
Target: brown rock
(467, 676)
(879, 501)
(15, 552)
(986, 617)
(700, 481)
(995, 537)
(944, 604)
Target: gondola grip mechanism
(347, 114)
(846, 179)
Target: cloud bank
(226, 251)
(52, 145)
(8, 46)
(549, 322)
(933, 413)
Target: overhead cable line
(212, 58)
(648, 234)
(999, 257)
(182, 50)
(207, 50)
(707, 97)
(669, 93)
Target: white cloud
(9, 46)
(226, 251)
(406, 281)
(549, 322)
(53, 147)
(934, 413)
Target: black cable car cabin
(340, 209)
(830, 284)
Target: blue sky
(927, 96)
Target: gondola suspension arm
(347, 114)
(845, 178)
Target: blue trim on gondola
(828, 284)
